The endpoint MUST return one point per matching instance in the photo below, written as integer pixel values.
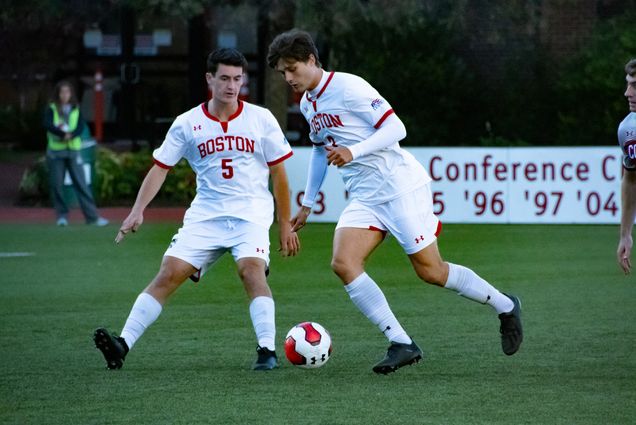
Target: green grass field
(577, 364)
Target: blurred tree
(589, 90)
(504, 51)
(275, 17)
(408, 50)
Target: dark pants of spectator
(59, 162)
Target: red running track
(115, 215)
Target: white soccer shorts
(202, 243)
(409, 218)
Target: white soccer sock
(143, 314)
(468, 284)
(370, 300)
(262, 312)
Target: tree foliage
(479, 72)
(408, 51)
(591, 85)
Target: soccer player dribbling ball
(627, 142)
(233, 147)
(354, 128)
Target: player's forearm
(391, 131)
(316, 175)
(149, 188)
(280, 186)
(283, 207)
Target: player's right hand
(624, 253)
(338, 156)
(130, 224)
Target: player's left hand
(300, 219)
(338, 155)
(289, 242)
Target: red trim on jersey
(385, 116)
(161, 164)
(281, 159)
(375, 229)
(223, 123)
(321, 90)
(439, 228)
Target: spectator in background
(627, 142)
(64, 124)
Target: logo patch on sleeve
(630, 149)
(376, 103)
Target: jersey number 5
(228, 170)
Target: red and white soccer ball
(308, 345)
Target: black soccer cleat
(398, 355)
(511, 329)
(266, 359)
(114, 348)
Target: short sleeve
(276, 148)
(627, 141)
(173, 147)
(365, 101)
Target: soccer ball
(308, 345)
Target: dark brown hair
(294, 44)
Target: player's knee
(345, 270)
(338, 266)
(164, 284)
(166, 277)
(251, 272)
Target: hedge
(116, 180)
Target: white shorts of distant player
(202, 243)
(409, 218)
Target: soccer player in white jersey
(233, 147)
(627, 142)
(354, 128)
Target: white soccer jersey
(345, 110)
(627, 141)
(230, 159)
